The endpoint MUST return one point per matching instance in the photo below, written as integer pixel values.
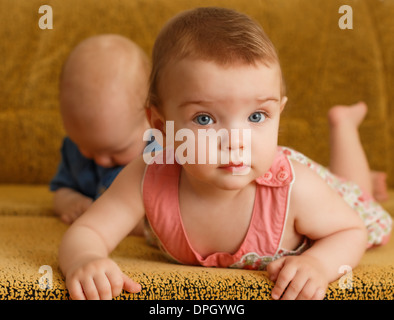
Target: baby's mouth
(234, 167)
(232, 164)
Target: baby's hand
(76, 209)
(99, 279)
(297, 277)
(69, 204)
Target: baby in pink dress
(215, 70)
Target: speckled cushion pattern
(29, 242)
(322, 65)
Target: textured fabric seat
(29, 242)
(323, 65)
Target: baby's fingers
(274, 268)
(312, 292)
(89, 289)
(130, 285)
(120, 281)
(297, 285)
(104, 287)
(75, 290)
(285, 276)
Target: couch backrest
(322, 63)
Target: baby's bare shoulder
(136, 168)
(129, 181)
(304, 174)
(318, 210)
(309, 188)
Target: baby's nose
(234, 139)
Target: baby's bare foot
(353, 114)
(379, 185)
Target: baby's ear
(155, 118)
(283, 102)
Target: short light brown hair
(221, 35)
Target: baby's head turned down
(223, 36)
(105, 76)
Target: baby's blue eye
(203, 119)
(257, 117)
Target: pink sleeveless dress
(262, 243)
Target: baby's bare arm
(339, 239)
(83, 253)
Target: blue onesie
(81, 174)
(77, 172)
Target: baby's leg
(348, 159)
(379, 185)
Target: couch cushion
(29, 243)
(36, 200)
(25, 200)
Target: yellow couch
(323, 65)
